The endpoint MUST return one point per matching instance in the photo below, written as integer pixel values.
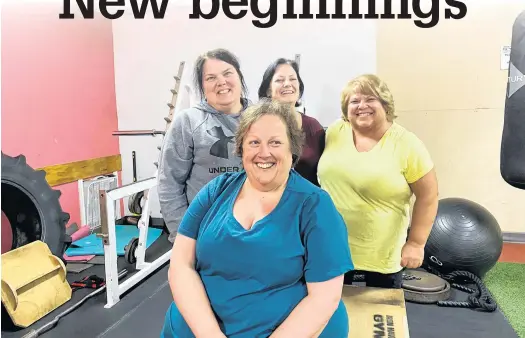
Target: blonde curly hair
(368, 84)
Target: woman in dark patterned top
(282, 82)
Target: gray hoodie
(198, 146)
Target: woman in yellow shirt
(371, 167)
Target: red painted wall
(58, 89)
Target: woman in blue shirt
(261, 252)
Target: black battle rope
(479, 298)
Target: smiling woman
(269, 143)
(220, 80)
(282, 82)
(371, 167)
(199, 143)
(261, 252)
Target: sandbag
(512, 158)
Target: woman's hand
(412, 255)
(425, 209)
(312, 314)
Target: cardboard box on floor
(375, 312)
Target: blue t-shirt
(254, 278)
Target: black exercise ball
(465, 236)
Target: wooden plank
(71, 172)
(375, 312)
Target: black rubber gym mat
(431, 321)
(141, 312)
(145, 320)
(425, 321)
(91, 318)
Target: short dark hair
(254, 112)
(269, 73)
(218, 54)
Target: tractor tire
(32, 206)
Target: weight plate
(422, 281)
(129, 251)
(134, 203)
(427, 297)
(131, 201)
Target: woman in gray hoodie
(199, 145)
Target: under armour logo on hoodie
(219, 148)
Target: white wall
(148, 53)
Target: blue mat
(92, 245)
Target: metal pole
(150, 132)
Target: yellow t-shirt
(371, 191)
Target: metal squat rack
(136, 249)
